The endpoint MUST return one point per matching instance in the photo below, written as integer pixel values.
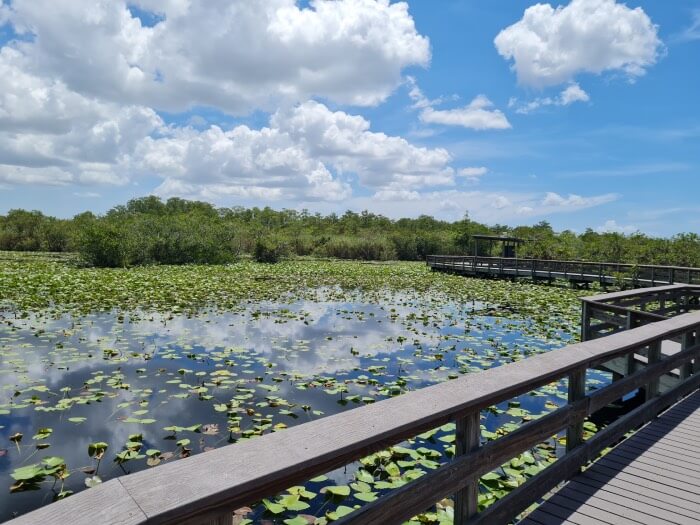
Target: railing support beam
(585, 321)
(689, 340)
(577, 391)
(653, 356)
(468, 439)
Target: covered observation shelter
(509, 245)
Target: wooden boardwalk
(651, 477)
(606, 314)
(575, 272)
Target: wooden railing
(603, 272)
(207, 487)
(608, 313)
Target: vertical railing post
(688, 341)
(653, 356)
(585, 321)
(577, 391)
(468, 440)
(629, 324)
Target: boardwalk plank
(639, 493)
(651, 477)
(594, 513)
(106, 503)
(671, 453)
(644, 437)
(648, 457)
(676, 430)
(644, 512)
(629, 479)
(653, 470)
(540, 517)
(668, 435)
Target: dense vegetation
(148, 230)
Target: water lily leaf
(366, 496)
(339, 512)
(337, 490)
(42, 433)
(92, 481)
(274, 508)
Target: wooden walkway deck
(575, 272)
(651, 477)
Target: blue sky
(585, 114)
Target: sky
(584, 114)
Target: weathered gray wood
(413, 498)
(576, 392)
(648, 457)
(687, 342)
(585, 321)
(628, 485)
(650, 471)
(467, 439)
(108, 503)
(515, 502)
(635, 492)
(605, 396)
(574, 271)
(616, 505)
(653, 356)
(616, 296)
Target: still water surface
(106, 376)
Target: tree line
(177, 231)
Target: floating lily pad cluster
(105, 372)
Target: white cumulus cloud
(473, 174)
(478, 114)
(237, 55)
(52, 135)
(574, 202)
(484, 206)
(302, 154)
(572, 93)
(611, 226)
(550, 46)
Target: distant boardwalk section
(576, 272)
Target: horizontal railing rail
(632, 308)
(605, 272)
(206, 488)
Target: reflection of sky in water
(305, 359)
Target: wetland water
(114, 392)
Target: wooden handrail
(623, 311)
(563, 261)
(624, 294)
(206, 486)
